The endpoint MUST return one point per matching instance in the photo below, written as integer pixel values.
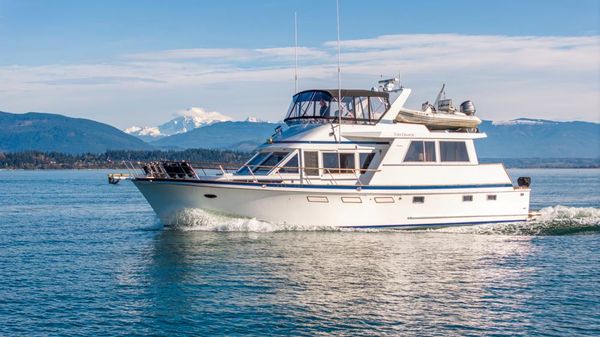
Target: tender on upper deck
(321, 106)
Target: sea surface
(81, 257)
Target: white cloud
(227, 54)
(506, 76)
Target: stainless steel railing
(189, 170)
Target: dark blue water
(81, 257)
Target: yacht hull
(340, 206)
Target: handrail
(185, 170)
(297, 167)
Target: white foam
(556, 220)
(200, 220)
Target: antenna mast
(339, 71)
(296, 52)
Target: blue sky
(139, 62)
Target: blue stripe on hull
(437, 225)
(328, 142)
(333, 187)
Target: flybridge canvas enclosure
(357, 106)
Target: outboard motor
(468, 108)
(524, 181)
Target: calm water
(81, 257)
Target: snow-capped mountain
(185, 120)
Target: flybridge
(370, 107)
(356, 107)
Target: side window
(454, 151)
(311, 163)
(331, 162)
(365, 160)
(338, 162)
(429, 151)
(361, 106)
(291, 166)
(377, 107)
(346, 163)
(420, 151)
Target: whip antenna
(339, 71)
(296, 52)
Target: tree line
(113, 159)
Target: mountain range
(184, 121)
(52, 132)
(539, 138)
(519, 138)
(241, 136)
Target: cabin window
(291, 166)
(330, 162)
(347, 164)
(361, 108)
(311, 163)
(267, 165)
(419, 151)
(336, 163)
(467, 198)
(348, 107)
(491, 197)
(365, 160)
(454, 151)
(257, 159)
(378, 106)
(418, 200)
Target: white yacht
(369, 166)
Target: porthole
(492, 197)
(384, 200)
(467, 198)
(418, 200)
(210, 196)
(316, 198)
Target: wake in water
(556, 220)
(200, 220)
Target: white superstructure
(370, 171)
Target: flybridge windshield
(358, 106)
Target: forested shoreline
(36, 160)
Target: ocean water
(81, 257)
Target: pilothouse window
(257, 159)
(365, 160)
(419, 151)
(267, 165)
(263, 163)
(454, 151)
(291, 166)
(336, 163)
(311, 163)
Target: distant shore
(34, 160)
